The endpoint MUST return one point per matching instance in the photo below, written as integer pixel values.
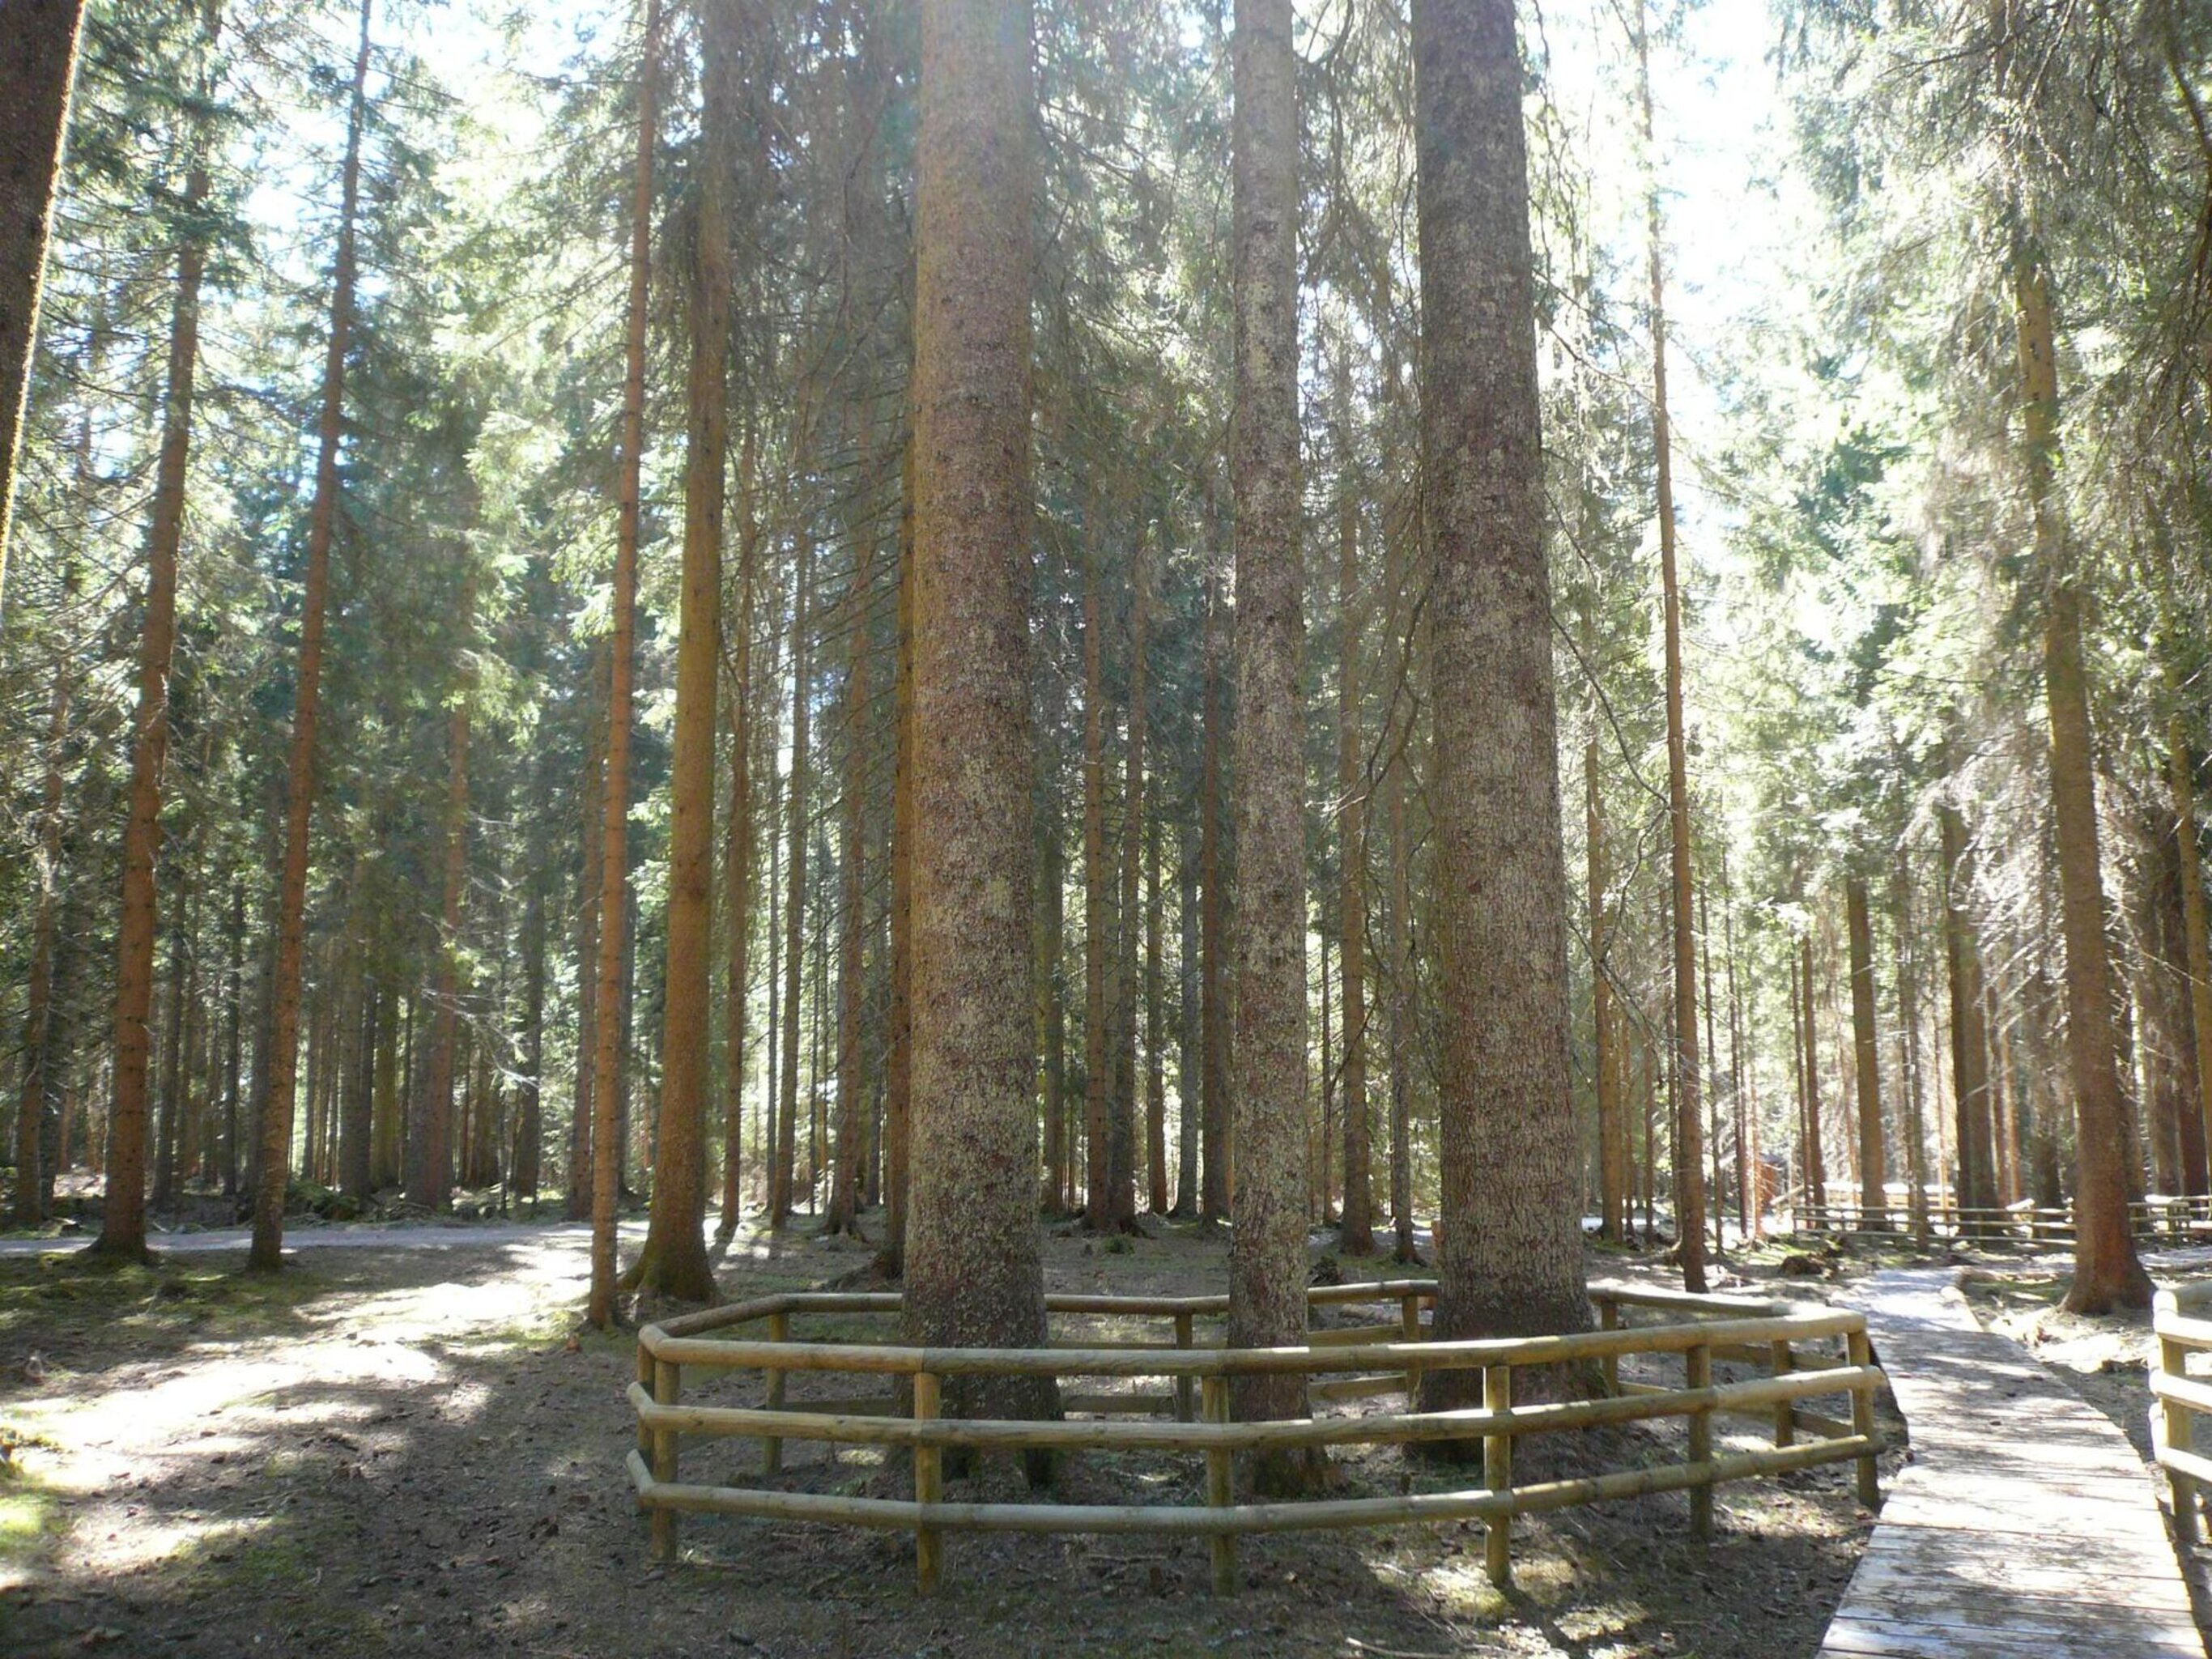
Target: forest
(1428, 636)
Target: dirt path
(396, 1448)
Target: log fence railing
(1806, 1352)
(2181, 1320)
(2159, 1218)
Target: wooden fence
(2178, 1319)
(1786, 1341)
(2159, 1218)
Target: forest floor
(414, 1450)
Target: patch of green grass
(173, 1300)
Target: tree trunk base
(120, 1252)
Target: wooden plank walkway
(2025, 1526)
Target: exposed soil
(408, 1450)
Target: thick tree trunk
(273, 1171)
(2106, 1273)
(1511, 1253)
(674, 1262)
(1866, 1044)
(1267, 1244)
(610, 1008)
(974, 1263)
(38, 67)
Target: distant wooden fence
(2179, 1319)
(1784, 1340)
(2159, 1218)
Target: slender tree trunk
(1191, 1038)
(674, 1262)
(172, 1073)
(1268, 1245)
(1512, 1253)
(384, 1166)
(845, 1181)
(898, 1081)
(740, 856)
(233, 1033)
(1051, 945)
(1908, 1052)
(1213, 916)
(1612, 1142)
(1401, 991)
(1970, 1085)
(592, 792)
(1688, 1084)
(973, 1264)
(1130, 919)
(1098, 1206)
(794, 904)
(1155, 1082)
(123, 1221)
(430, 1139)
(38, 68)
(1356, 1230)
(1866, 1045)
(2197, 953)
(126, 1155)
(610, 1007)
(274, 1170)
(529, 1134)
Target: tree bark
(1097, 1076)
(795, 903)
(123, 1220)
(1356, 1227)
(898, 1081)
(1267, 1244)
(1970, 1078)
(38, 68)
(1213, 915)
(1866, 1045)
(1688, 1084)
(611, 1007)
(1511, 1253)
(430, 1138)
(2106, 1273)
(845, 1181)
(741, 852)
(2196, 953)
(974, 1261)
(592, 793)
(674, 1262)
(274, 1171)
(1191, 1029)
(1130, 919)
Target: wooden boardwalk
(2025, 1526)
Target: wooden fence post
(1498, 1475)
(1409, 1330)
(1698, 1367)
(2174, 1360)
(779, 1330)
(1785, 1411)
(1219, 1489)
(1182, 1384)
(1860, 1352)
(667, 1385)
(928, 1487)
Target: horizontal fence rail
(1784, 1340)
(2159, 1218)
